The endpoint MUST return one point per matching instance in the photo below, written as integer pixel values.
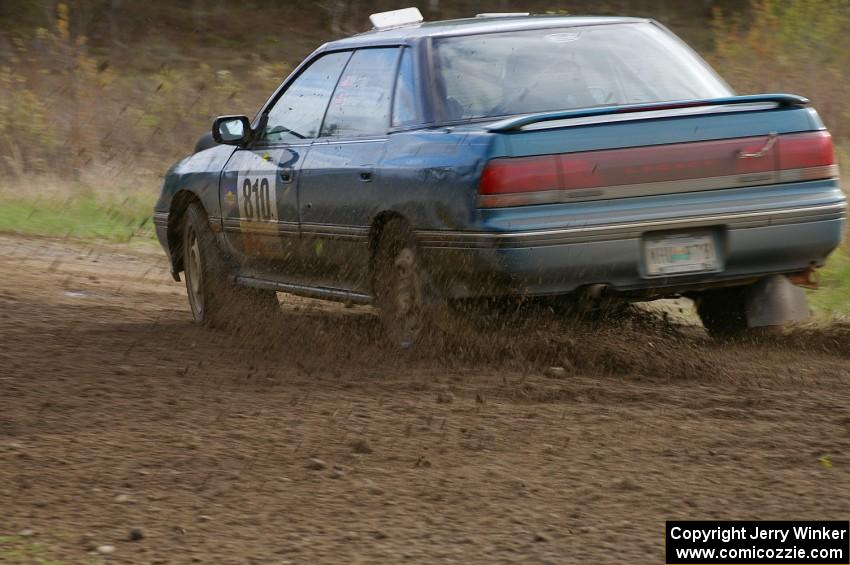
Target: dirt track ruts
(117, 412)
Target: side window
(404, 105)
(298, 113)
(361, 101)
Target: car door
(340, 179)
(259, 184)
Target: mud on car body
(499, 157)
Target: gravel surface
(129, 435)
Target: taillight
(517, 181)
(510, 181)
(806, 156)
(658, 169)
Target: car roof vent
(396, 18)
(502, 14)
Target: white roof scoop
(396, 18)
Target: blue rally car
(507, 156)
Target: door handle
(287, 175)
(366, 175)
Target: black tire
(213, 299)
(724, 312)
(400, 285)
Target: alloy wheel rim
(194, 274)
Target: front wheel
(213, 299)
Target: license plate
(676, 254)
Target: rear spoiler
(782, 100)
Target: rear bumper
(559, 261)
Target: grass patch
(86, 216)
(832, 299)
(18, 549)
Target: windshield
(521, 72)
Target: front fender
(195, 178)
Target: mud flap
(775, 301)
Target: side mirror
(231, 130)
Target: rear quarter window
(404, 104)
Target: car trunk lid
(606, 153)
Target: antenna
(502, 14)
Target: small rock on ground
(361, 446)
(87, 541)
(444, 397)
(316, 464)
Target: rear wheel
(214, 300)
(400, 285)
(724, 312)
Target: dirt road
(306, 442)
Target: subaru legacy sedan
(504, 157)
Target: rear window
(520, 72)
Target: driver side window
(298, 113)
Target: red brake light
(803, 150)
(523, 174)
(508, 182)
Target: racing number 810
(259, 207)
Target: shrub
(790, 45)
